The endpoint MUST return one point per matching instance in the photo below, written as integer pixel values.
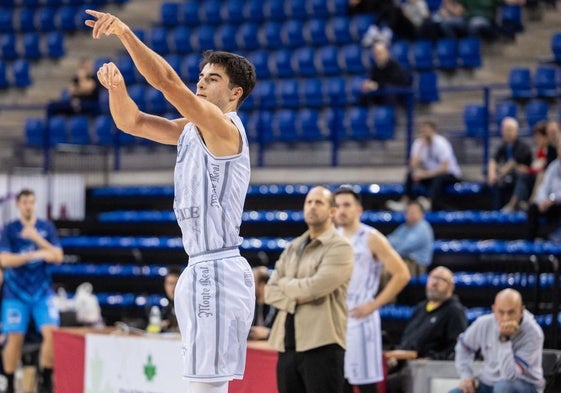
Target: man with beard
(435, 325)
(309, 289)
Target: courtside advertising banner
(125, 364)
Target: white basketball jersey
(209, 192)
(366, 272)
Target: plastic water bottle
(154, 320)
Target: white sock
(208, 387)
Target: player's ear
(236, 93)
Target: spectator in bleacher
(547, 202)
(545, 153)
(508, 171)
(434, 327)
(442, 22)
(373, 254)
(27, 246)
(83, 93)
(433, 165)
(211, 180)
(264, 314)
(510, 342)
(385, 73)
(309, 289)
(478, 18)
(169, 319)
(553, 132)
(414, 239)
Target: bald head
(508, 305)
(509, 129)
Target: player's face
(317, 209)
(213, 86)
(170, 282)
(26, 206)
(347, 210)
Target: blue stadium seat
(21, 73)
(55, 44)
(283, 125)
(556, 46)
(30, 3)
(202, 38)
(190, 68)
(357, 123)
(270, 35)
(155, 102)
(384, 122)
(57, 130)
(225, 38)
(128, 69)
(318, 8)
(26, 19)
(296, 9)
(303, 62)
(505, 109)
(520, 83)
(6, 20)
(104, 130)
(315, 32)
(427, 87)
(3, 75)
(232, 12)
(292, 34)
(308, 125)
(8, 47)
(334, 91)
(209, 12)
(189, 12)
(447, 53)
(423, 55)
(34, 130)
(31, 48)
(360, 24)
(288, 95)
(169, 14)
(274, 10)
(249, 103)
(253, 11)
(536, 111)
(158, 38)
(46, 19)
(353, 90)
(263, 93)
(78, 127)
(545, 82)
(337, 7)
(400, 52)
(66, 18)
(180, 41)
(353, 59)
(474, 120)
(338, 31)
(327, 61)
(174, 60)
(280, 63)
(469, 50)
(246, 37)
(260, 59)
(311, 92)
(510, 19)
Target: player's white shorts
(363, 357)
(214, 304)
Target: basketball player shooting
(215, 294)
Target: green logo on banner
(149, 369)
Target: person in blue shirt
(413, 240)
(27, 246)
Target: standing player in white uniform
(373, 252)
(215, 295)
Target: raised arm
(219, 133)
(129, 118)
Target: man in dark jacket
(435, 325)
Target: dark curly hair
(240, 70)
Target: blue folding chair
(26, 19)
(338, 31)
(203, 38)
(270, 35)
(505, 109)
(400, 53)
(128, 69)
(292, 34)
(260, 60)
(283, 126)
(536, 111)
(303, 61)
(46, 19)
(78, 127)
(232, 12)
(510, 19)
(308, 125)
(253, 11)
(34, 130)
(280, 63)
(545, 82)
(159, 40)
(358, 124)
(520, 83)
(447, 53)
(384, 122)
(288, 95)
(334, 91)
(469, 50)
(474, 120)
(31, 49)
(311, 92)
(337, 7)
(274, 10)
(225, 38)
(8, 49)
(327, 59)
(21, 73)
(427, 87)
(264, 93)
(189, 12)
(315, 32)
(318, 8)
(296, 9)
(57, 130)
(104, 130)
(155, 101)
(66, 18)
(6, 20)
(423, 55)
(354, 59)
(190, 68)
(246, 36)
(209, 12)
(169, 14)
(181, 40)
(556, 46)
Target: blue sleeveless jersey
(32, 280)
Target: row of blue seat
(15, 74)
(546, 82)
(32, 46)
(109, 270)
(297, 216)
(556, 47)
(58, 3)
(382, 189)
(455, 247)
